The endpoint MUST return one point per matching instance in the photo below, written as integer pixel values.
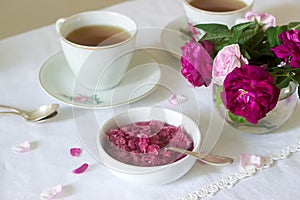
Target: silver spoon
(40, 114)
(211, 159)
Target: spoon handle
(184, 151)
(9, 113)
(15, 110)
(216, 160)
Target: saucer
(176, 34)
(141, 78)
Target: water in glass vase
(285, 107)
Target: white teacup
(200, 16)
(98, 66)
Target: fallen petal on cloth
(51, 193)
(176, 99)
(22, 147)
(75, 151)
(81, 169)
(250, 161)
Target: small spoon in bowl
(40, 114)
(210, 159)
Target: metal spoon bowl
(52, 115)
(210, 159)
(40, 114)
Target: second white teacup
(227, 12)
(96, 45)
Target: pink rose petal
(226, 61)
(51, 193)
(21, 148)
(250, 161)
(176, 99)
(267, 19)
(75, 151)
(81, 169)
(196, 64)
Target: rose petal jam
(144, 143)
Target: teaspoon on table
(40, 114)
(210, 159)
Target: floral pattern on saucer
(84, 99)
(141, 78)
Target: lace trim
(230, 181)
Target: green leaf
(246, 36)
(283, 83)
(246, 53)
(299, 91)
(272, 35)
(218, 96)
(220, 43)
(293, 25)
(212, 28)
(216, 35)
(235, 118)
(296, 75)
(258, 38)
(236, 37)
(244, 32)
(242, 26)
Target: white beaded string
(230, 181)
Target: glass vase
(285, 107)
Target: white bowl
(156, 174)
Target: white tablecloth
(48, 163)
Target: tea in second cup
(227, 12)
(97, 46)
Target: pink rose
(265, 18)
(196, 64)
(226, 61)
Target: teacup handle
(58, 24)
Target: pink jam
(143, 143)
